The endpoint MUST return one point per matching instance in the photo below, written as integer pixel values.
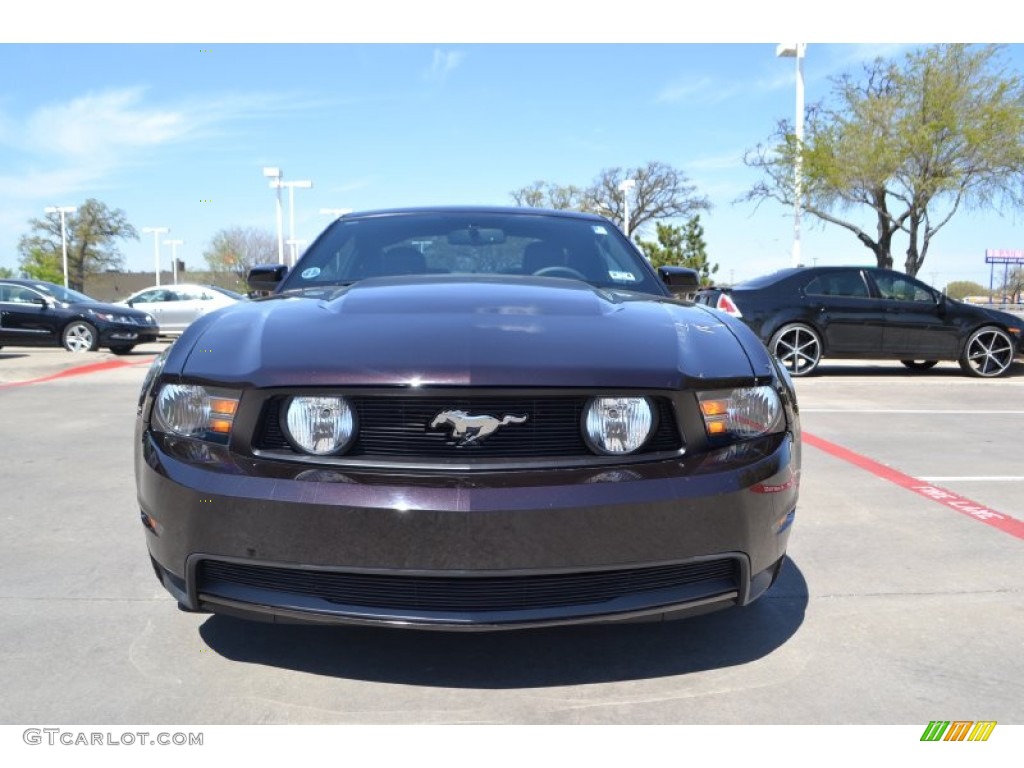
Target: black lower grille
(477, 593)
(400, 427)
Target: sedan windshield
(64, 295)
(473, 243)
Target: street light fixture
(275, 173)
(174, 256)
(624, 187)
(292, 186)
(63, 209)
(157, 231)
(797, 51)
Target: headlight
(190, 410)
(617, 425)
(739, 414)
(319, 425)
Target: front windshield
(62, 294)
(473, 243)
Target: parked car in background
(467, 418)
(177, 306)
(35, 313)
(809, 313)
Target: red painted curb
(81, 370)
(954, 501)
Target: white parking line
(902, 410)
(975, 479)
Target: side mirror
(41, 302)
(680, 280)
(266, 277)
(130, 302)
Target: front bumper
(276, 541)
(124, 334)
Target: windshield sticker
(622, 277)
(309, 274)
(599, 229)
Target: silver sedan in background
(176, 306)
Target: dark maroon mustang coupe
(467, 418)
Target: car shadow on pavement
(12, 355)
(522, 659)
(897, 371)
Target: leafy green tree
(235, 250)
(6, 272)
(44, 265)
(659, 192)
(681, 246)
(958, 289)
(910, 142)
(92, 235)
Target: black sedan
(467, 418)
(806, 314)
(35, 313)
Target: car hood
(1008, 319)
(473, 332)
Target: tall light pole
(797, 51)
(174, 256)
(157, 231)
(624, 187)
(294, 245)
(63, 209)
(277, 175)
(292, 186)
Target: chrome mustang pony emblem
(469, 429)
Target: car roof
(809, 272)
(484, 209)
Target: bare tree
(660, 192)
(236, 250)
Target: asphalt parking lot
(901, 602)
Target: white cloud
(443, 64)
(81, 144)
(683, 89)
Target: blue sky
(177, 133)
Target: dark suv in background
(809, 313)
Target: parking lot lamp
(62, 210)
(624, 187)
(277, 175)
(174, 256)
(797, 50)
(157, 231)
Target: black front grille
(470, 594)
(399, 427)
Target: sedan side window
(902, 288)
(849, 284)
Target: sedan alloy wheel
(80, 336)
(798, 348)
(988, 353)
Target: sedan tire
(920, 365)
(80, 336)
(988, 353)
(798, 348)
